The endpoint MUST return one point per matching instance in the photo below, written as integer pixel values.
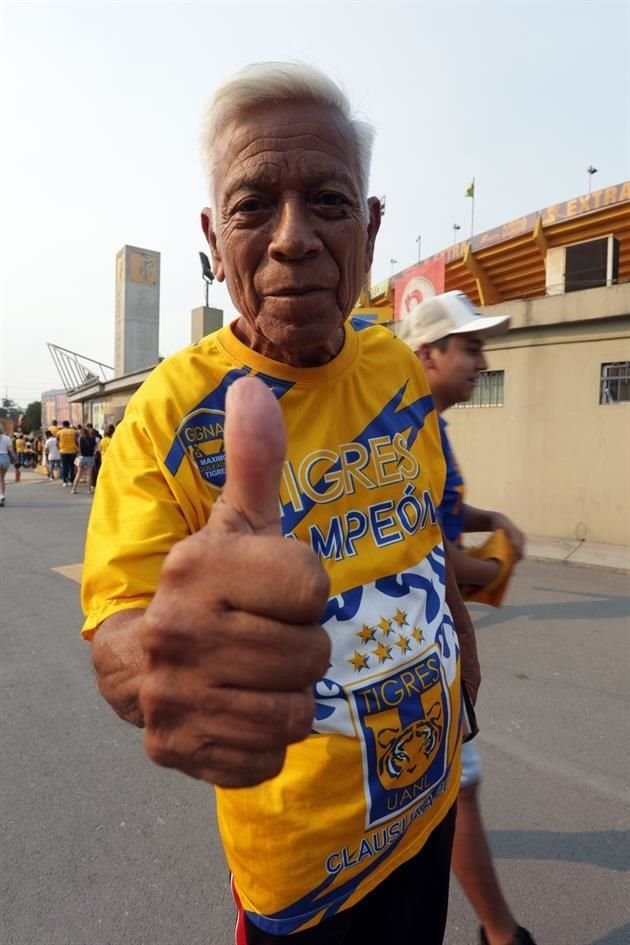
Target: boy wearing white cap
(448, 334)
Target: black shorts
(407, 908)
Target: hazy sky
(101, 104)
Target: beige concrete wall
(554, 270)
(605, 302)
(552, 458)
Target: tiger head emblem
(409, 751)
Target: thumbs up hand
(231, 641)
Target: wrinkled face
(291, 235)
(454, 372)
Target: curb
(620, 568)
(578, 554)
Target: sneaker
(2, 500)
(522, 937)
(65, 484)
(73, 491)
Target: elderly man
(265, 580)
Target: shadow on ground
(620, 936)
(588, 607)
(609, 849)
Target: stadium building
(546, 438)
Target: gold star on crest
(359, 661)
(385, 626)
(383, 652)
(400, 617)
(403, 643)
(417, 634)
(366, 633)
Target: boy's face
(453, 373)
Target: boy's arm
(471, 673)
(471, 571)
(485, 520)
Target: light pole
(590, 170)
(392, 263)
(456, 227)
(419, 242)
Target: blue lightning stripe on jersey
(216, 401)
(290, 919)
(389, 421)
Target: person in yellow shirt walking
(20, 448)
(68, 447)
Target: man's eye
(329, 199)
(250, 205)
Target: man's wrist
(118, 663)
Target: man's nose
(481, 362)
(294, 236)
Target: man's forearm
(118, 662)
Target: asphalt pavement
(100, 847)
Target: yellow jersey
(67, 439)
(104, 445)
(363, 477)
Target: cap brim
(486, 324)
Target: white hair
(270, 82)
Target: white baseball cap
(451, 313)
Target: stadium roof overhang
(509, 261)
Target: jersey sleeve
(135, 521)
(451, 508)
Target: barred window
(614, 383)
(488, 392)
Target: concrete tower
(137, 309)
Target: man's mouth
(292, 291)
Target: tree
(32, 419)
(10, 410)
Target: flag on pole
(470, 192)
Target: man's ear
(207, 225)
(425, 356)
(374, 224)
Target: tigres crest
(403, 721)
(409, 752)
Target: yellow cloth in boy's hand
(499, 547)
